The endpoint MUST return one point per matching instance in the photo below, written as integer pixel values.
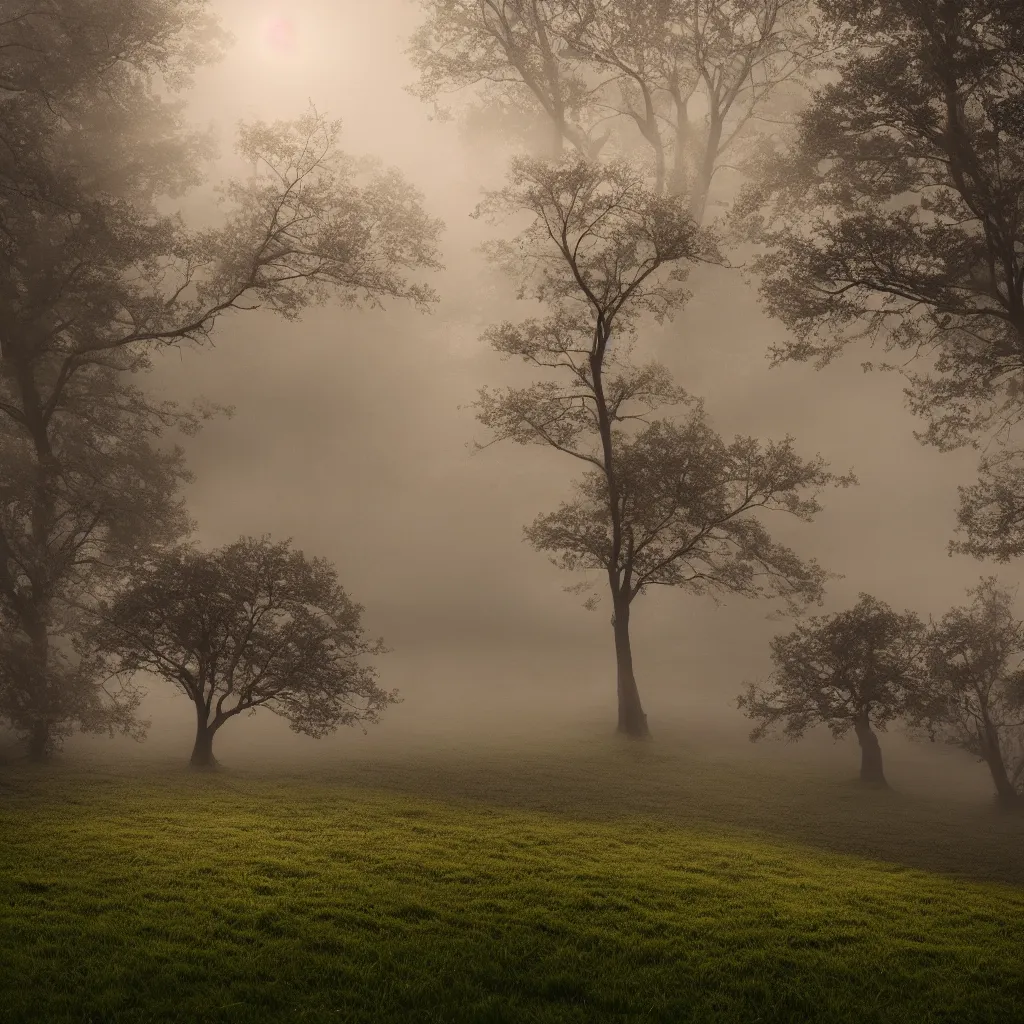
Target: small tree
(976, 671)
(254, 624)
(857, 669)
(661, 503)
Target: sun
(281, 35)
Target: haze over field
(349, 437)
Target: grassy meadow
(592, 881)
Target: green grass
(604, 886)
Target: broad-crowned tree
(662, 503)
(685, 80)
(976, 675)
(250, 625)
(858, 669)
(94, 274)
(898, 213)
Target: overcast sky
(349, 438)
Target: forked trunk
(870, 752)
(632, 720)
(202, 752)
(39, 745)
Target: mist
(352, 436)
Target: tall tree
(513, 50)
(686, 79)
(695, 76)
(661, 503)
(109, 494)
(254, 624)
(858, 669)
(976, 671)
(94, 275)
(898, 214)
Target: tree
(94, 275)
(514, 48)
(661, 503)
(976, 670)
(110, 495)
(253, 624)
(686, 79)
(897, 214)
(859, 669)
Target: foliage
(512, 47)
(107, 492)
(896, 214)
(662, 503)
(990, 520)
(685, 80)
(253, 624)
(686, 500)
(94, 274)
(976, 669)
(861, 664)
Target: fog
(349, 438)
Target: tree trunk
(202, 752)
(632, 720)
(39, 747)
(870, 752)
(557, 140)
(1007, 796)
(702, 186)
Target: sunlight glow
(280, 34)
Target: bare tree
(661, 503)
(254, 624)
(859, 669)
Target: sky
(351, 436)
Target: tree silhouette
(254, 624)
(661, 503)
(858, 669)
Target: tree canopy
(976, 674)
(662, 502)
(94, 274)
(857, 669)
(682, 81)
(896, 213)
(253, 624)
